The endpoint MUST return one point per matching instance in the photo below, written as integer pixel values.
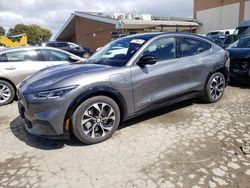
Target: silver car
(92, 99)
(18, 63)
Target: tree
(2, 31)
(35, 33)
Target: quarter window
(162, 49)
(52, 55)
(191, 47)
(27, 55)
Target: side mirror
(73, 59)
(147, 60)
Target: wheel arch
(12, 83)
(97, 91)
(222, 69)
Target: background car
(240, 60)
(70, 47)
(224, 40)
(18, 63)
(146, 71)
(220, 32)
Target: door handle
(10, 68)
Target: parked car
(18, 63)
(70, 47)
(243, 29)
(240, 60)
(224, 40)
(92, 99)
(221, 32)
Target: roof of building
(124, 22)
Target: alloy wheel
(5, 93)
(98, 120)
(217, 87)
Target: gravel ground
(185, 145)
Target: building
(95, 29)
(220, 14)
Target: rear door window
(189, 46)
(53, 55)
(27, 55)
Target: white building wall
(219, 18)
(247, 10)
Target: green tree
(2, 31)
(35, 33)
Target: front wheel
(215, 88)
(7, 92)
(96, 119)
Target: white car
(18, 63)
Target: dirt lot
(186, 145)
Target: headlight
(50, 94)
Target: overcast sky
(52, 14)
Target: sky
(52, 14)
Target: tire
(215, 88)
(7, 92)
(96, 119)
(86, 55)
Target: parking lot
(190, 144)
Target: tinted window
(191, 47)
(162, 49)
(242, 30)
(51, 44)
(73, 46)
(61, 44)
(52, 55)
(28, 55)
(242, 43)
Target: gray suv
(127, 77)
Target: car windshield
(242, 43)
(242, 30)
(218, 39)
(118, 52)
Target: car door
(154, 84)
(17, 65)
(195, 56)
(54, 57)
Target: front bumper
(240, 72)
(238, 76)
(43, 119)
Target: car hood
(48, 78)
(239, 53)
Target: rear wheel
(96, 119)
(215, 88)
(7, 92)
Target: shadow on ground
(18, 129)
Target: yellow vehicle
(7, 41)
